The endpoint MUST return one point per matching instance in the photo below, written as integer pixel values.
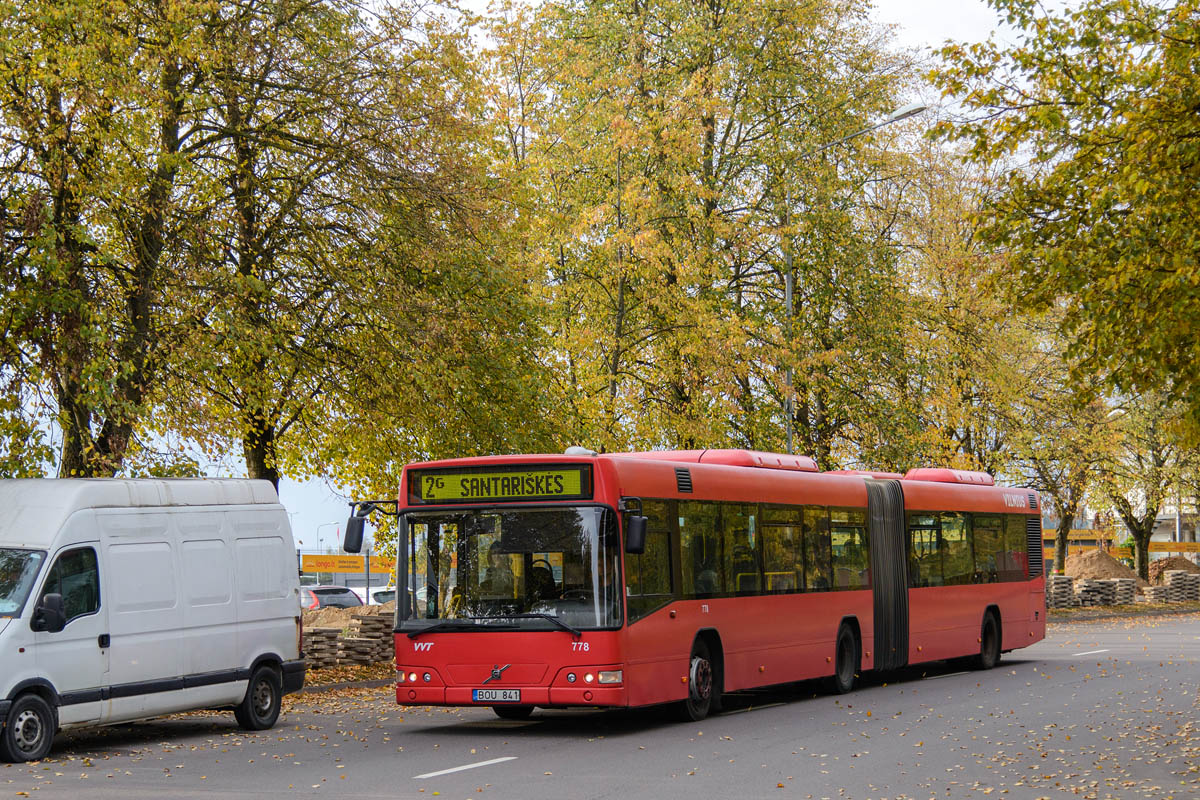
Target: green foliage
(1095, 108)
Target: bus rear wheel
(701, 685)
(989, 643)
(846, 661)
(513, 712)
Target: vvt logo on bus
(422, 646)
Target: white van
(127, 599)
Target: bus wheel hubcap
(701, 679)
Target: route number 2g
(575, 646)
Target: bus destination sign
(471, 486)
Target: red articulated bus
(636, 579)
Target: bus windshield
(529, 569)
(18, 568)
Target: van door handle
(103, 640)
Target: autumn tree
(99, 105)
(1143, 464)
(1094, 108)
(668, 146)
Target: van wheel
(989, 643)
(260, 707)
(513, 712)
(846, 664)
(28, 731)
(701, 685)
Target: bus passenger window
(699, 545)
(988, 535)
(848, 534)
(818, 566)
(783, 560)
(958, 565)
(924, 555)
(740, 545)
(648, 576)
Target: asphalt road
(1105, 709)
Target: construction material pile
(1060, 591)
(1182, 585)
(1063, 591)
(1098, 565)
(1162, 565)
(321, 647)
(359, 635)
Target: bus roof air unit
(939, 475)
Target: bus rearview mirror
(635, 534)
(352, 542)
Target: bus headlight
(610, 676)
(400, 676)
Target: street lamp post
(904, 112)
(319, 527)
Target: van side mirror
(635, 534)
(352, 541)
(49, 616)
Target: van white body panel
(198, 581)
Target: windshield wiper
(535, 615)
(459, 625)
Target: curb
(329, 687)
(1123, 615)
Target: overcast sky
(315, 509)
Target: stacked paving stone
(1157, 594)
(377, 628)
(321, 646)
(1181, 585)
(1060, 591)
(1090, 592)
(1124, 590)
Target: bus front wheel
(513, 712)
(701, 685)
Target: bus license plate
(496, 695)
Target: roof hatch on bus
(940, 475)
(754, 458)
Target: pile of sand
(1159, 566)
(1098, 565)
(332, 617)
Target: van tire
(260, 707)
(28, 731)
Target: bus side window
(818, 560)
(988, 534)
(851, 560)
(699, 545)
(740, 541)
(957, 562)
(648, 576)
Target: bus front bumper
(418, 695)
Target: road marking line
(947, 675)
(465, 766)
(1092, 652)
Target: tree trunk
(1061, 540)
(258, 444)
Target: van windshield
(18, 569)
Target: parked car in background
(383, 596)
(314, 597)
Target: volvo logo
(497, 671)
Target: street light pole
(904, 112)
(323, 525)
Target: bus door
(889, 572)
